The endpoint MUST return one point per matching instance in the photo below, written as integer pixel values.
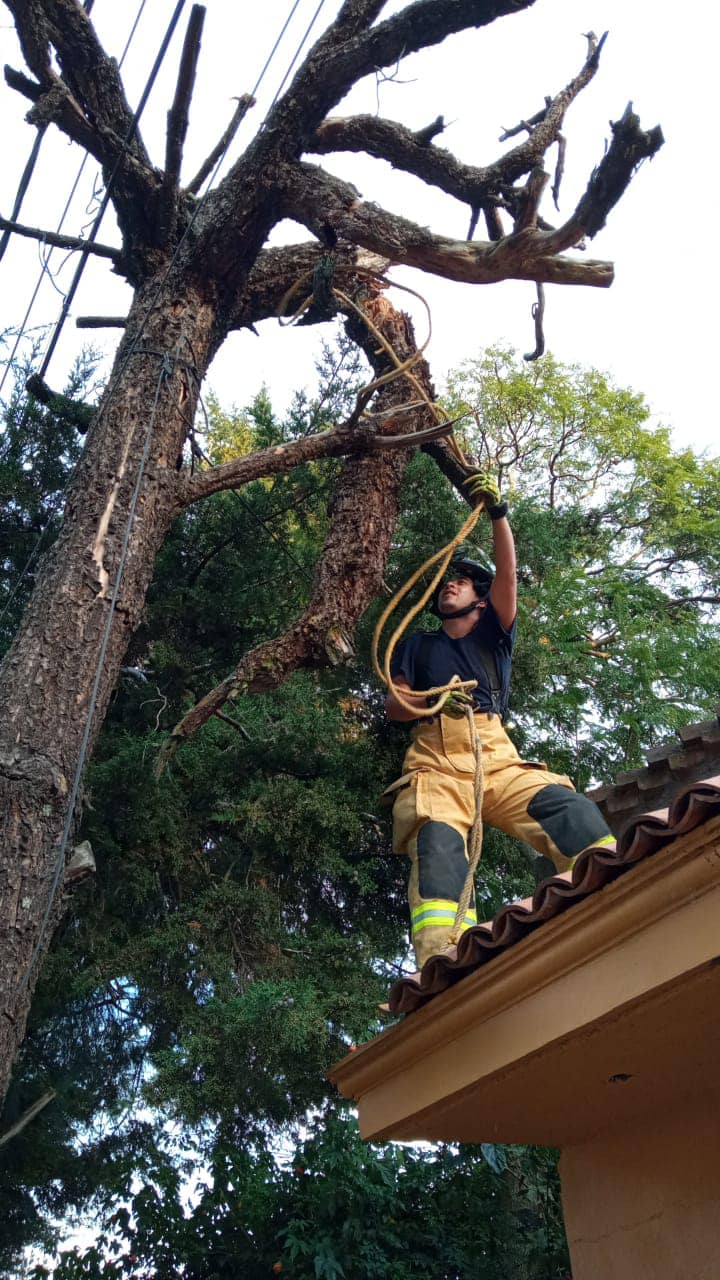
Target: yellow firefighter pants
(434, 810)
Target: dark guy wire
(264, 524)
(298, 51)
(63, 215)
(29, 170)
(92, 235)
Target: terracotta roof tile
(693, 755)
(644, 836)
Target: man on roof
(434, 805)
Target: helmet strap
(459, 613)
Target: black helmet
(481, 577)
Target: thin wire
(84, 253)
(29, 169)
(167, 366)
(264, 524)
(161, 284)
(272, 53)
(298, 51)
(63, 216)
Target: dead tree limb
(306, 190)
(177, 124)
(27, 1116)
(281, 458)
(350, 571)
(629, 147)
(244, 103)
(61, 242)
(100, 322)
(387, 140)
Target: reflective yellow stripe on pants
(434, 811)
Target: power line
(298, 51)
(264, 524)
(30, 168)
(63, 215)
(64, 310)
(199, 206)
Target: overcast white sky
(653, 330)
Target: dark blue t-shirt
(430, 658)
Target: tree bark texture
(47, 678)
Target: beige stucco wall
(644, 1203)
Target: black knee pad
(570, 820)
(442, 864)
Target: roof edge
(654, 888)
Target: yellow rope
(402, 369)
(442, 558)
(476, 833)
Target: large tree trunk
(48, 676)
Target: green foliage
(330, 1207)
(38, 450)
(619, 576)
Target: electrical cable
(298, 51)
(63, 215)
(29, 169)
(84, 254)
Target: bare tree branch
(88, 73)
(314, 197)
(61, 242)
(27, 1116)
(100, 322)
(350, 570)
(333, 65)
(336, 443)
(402, 148)
(629, 147)
(529, 201)
(87, 102)
(244, 103)
(177, 124)
(683, 601)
